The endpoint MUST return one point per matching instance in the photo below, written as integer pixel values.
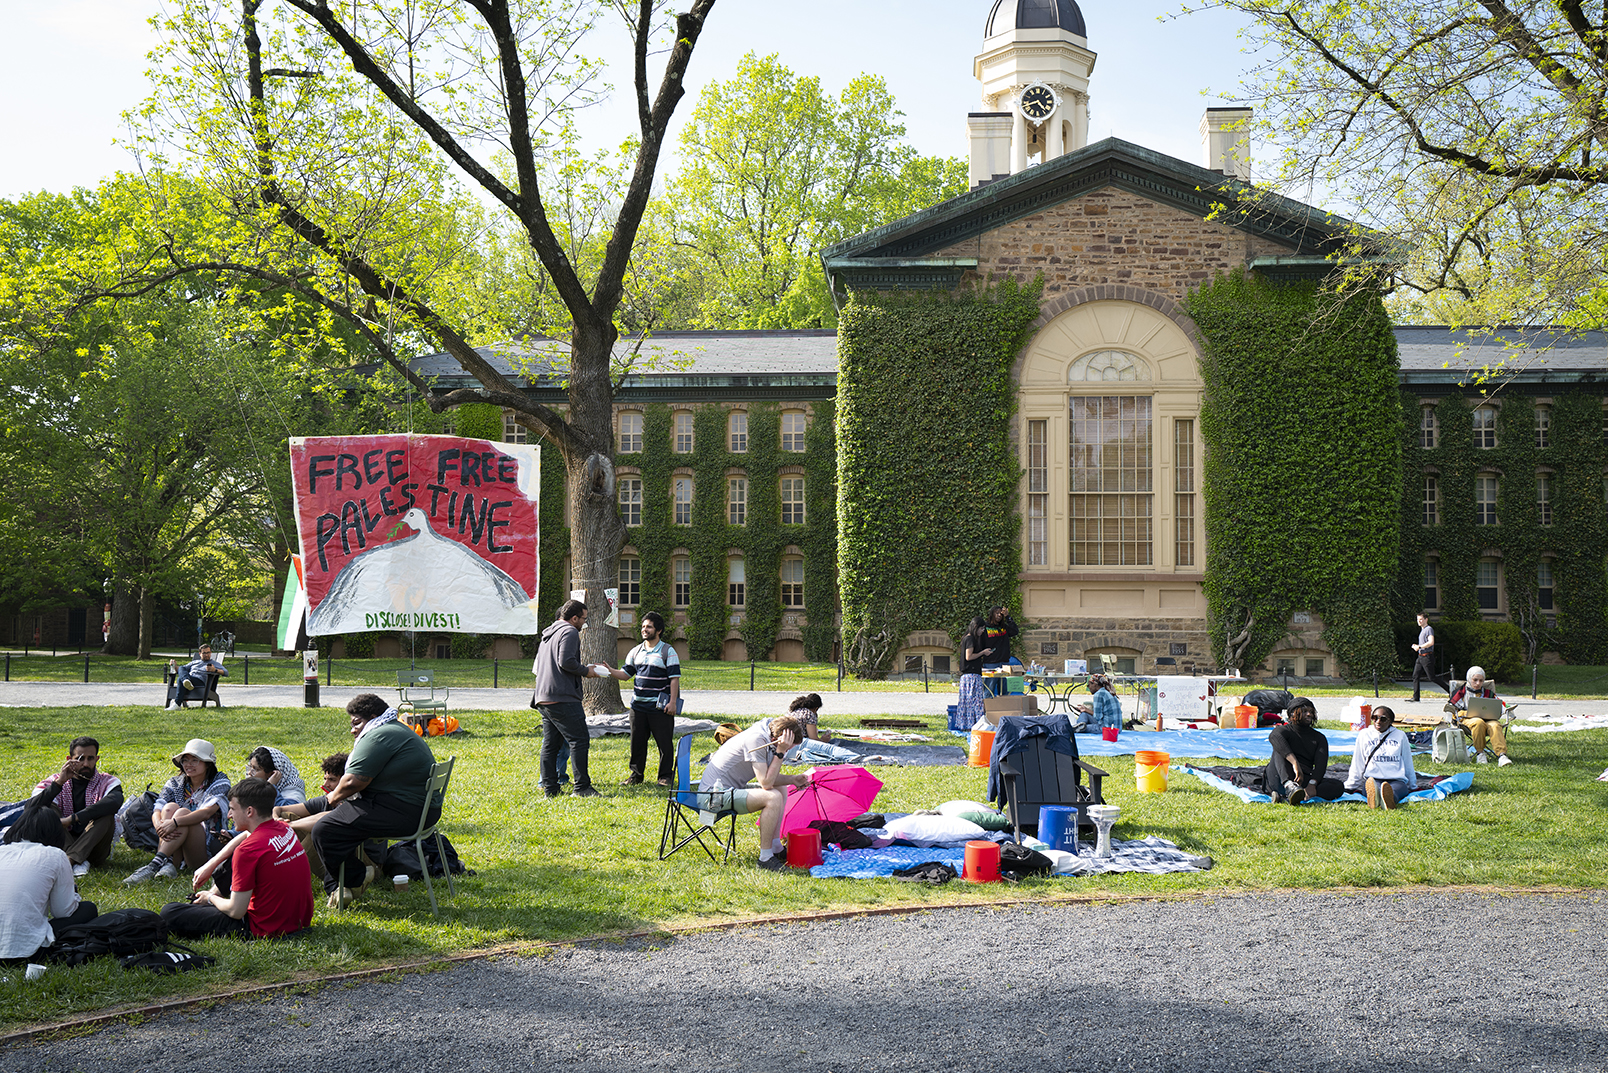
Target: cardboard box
(1017, 704)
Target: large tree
(344, 138)
(1475, 129)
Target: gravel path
(1304, 982)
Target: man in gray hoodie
(559, 671)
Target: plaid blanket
(1152, 854)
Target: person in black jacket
(1001, 628)
(1300, 759)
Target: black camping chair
(685, 818)
(1033, 775)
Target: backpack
(120, 933)
(172, 958)
(1015, 857)
(138, 830)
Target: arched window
(737, 500)
(630, 581)
(1485, 427)
(683, 433)
(793, 430)
(736, 582)
(793, 582)
(792, 500)
(630, 489)
(683, 501)
(630, 432)
(1107, 365)
(681, 581)
(737, 430)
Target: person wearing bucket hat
(188, 814)
(1300, 759)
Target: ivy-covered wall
(928, 531)
(762, 541)
(1302, 490)
(1575, 543)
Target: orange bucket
(1150, 771)
(982, 862)
(1245, 716)
(982, 746)
(804, 848)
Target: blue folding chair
(685, 811)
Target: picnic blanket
(1559, 724)
(1151, 854)
(1249, 744)
(620, 723)
(1245, 783)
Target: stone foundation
(1053, 641)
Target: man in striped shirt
(654, 697)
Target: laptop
(1484, 708)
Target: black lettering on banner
(409, 500)
(371, 467)
(488, 462)
(452, 507)
(351, 521)
(476, 525)
(347, 464)
(328, 525)
(470, 468)
(386, 505)
(393, 464)
(445, 460)
(314, 472)
(436, 492)
(491, 527)
(507, 470)
(369, 523)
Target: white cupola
(1035, 68)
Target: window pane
(1426, 428)
(631, 500)
(681, 571)
(1110, 477)
(683, 501)
(1431, 584)
(792, 582)
(513, 431)
(1314, 668)
(792, 500)
(1543, 426)
(739, 432)
(1543, 498)
(1431, 500)
(1184, 487)
(683, 433)
(1543, 584)
(630, 433)
(630, 581)
(1484, 427)
(737, 501)
(1038, 486)
(736, 583)
(792, 431)
(1488, 584)
(1485, 489)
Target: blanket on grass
(1152, 854)
(1249, 744)
(1559, 724)
(1245, 783)
(599, 725)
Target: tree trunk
(596, 540)
(146, 611)
(124, 638)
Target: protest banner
(406, 532)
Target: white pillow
(933, 830)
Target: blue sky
(69, 68)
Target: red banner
(402, 532)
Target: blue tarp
(1248, 744)
(1439, 792)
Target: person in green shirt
(379, 796)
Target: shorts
(721, 801)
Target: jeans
(564, 720)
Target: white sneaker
(172, 705)
(81, 869)
(1481, 758)
(168, 871)
(1503, 760)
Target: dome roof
(1010, 15)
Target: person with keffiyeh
(88, 800)
(379, 796)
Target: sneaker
(1373, 794)
(1387, 795)
(1481, 759)
(1297, 795)
(774, 863)
(172, 705)
(341, 898)
(168, 871)
(1504, 760)
(1277, 798)
(587, 791)
(81, 869)
(143, 874)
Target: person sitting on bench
(1476, 686)
(1300, 759)
(194, 679)
(263, 885)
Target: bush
(359, 645)
(1496, 646)
(471, 645)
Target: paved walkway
(1419, 982)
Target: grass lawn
(1554, 682)
(572, 868)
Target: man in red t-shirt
(270, 884)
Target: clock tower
(1035, 68)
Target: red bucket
(804, 848)
(982, 862)
(1108, 733)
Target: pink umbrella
(834, 793)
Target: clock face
(1037, 102)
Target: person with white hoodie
(1382, 762)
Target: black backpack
(138, 830)
(172, 958)
(1015, 857)
(120, 933)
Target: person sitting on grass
(381, 795)
(1106, 708)
(1300, 759)
(188, 814)
(1382, 762)
(276, 769)
(807, 710)
(755, 754)
(1476, 686)
(263, 886)
(88, 801)
(190, 681)
(302, 815)
(37, 893)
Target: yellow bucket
(1150, 771)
